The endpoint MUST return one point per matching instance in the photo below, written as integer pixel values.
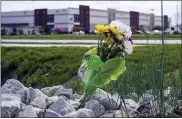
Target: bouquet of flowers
(106, 62)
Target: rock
(179, 102)
(156, 107)
(66, 92)
(35, 93)
(50, 91)
(38, 111)
(105, 99)
(62, 107)
(167, 91)
(120, 114)
(94, 105)
(76, 96)
(13, 86)
(39, 102)
(170, 91)
(51, 114)
(51, 100)
(131, 103)
(146, 98)
(64, 97)
(113, 113)
(132, 96)
(151, 109)
(107, 114)
(131, 107)
(10, 108)
(178, 110)
(129, 110)
(27, 112)
(144, 111)
(74, 104)
(81, 113)
(172, 114)
(10, 97)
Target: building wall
(64, 18)
(18, 17)
(84, 12)
(8, 29)
(123, 17)
(111, 15)
(40, 18)
(98, 20)
(144, 19)
(125, 21)
(17, 13)
(152, 21)
(98, 13)
(157, 21)
(73, 11)
(134, 19)
(29, 29)
(61, 19)
(57, 11)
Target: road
(151, 41)
(19, 42)
(52, 45)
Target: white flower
(120, 37)
(128, 47)
(122, 28)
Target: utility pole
(152, 18)
(177, 16)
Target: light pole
(177, 16)
(152, 18)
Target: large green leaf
(101, 73)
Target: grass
(70, 36)
(44, 43)
(40, 67)
(148, 75)
(146, 71)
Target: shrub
(57, 30)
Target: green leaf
(99, 73)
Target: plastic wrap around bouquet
(106, 62)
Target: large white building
(82, 17)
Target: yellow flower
(108, 41)
(100, 29)
(114, 30)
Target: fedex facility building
(84, 17)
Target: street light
(152, 10)
(152, 18)
(177, 16)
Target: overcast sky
(140, 6)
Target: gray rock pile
(55, 102)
